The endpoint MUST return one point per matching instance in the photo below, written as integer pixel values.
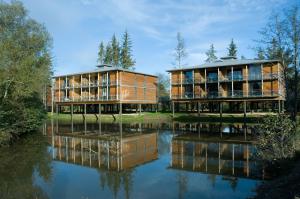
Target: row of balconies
(228, 94)
(85, 98)
(86, 84)
(266, 76)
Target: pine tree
(260, 53)
(108, 54)
(232, 49)
(211, 54)
(115, 51)
(101, 53)
(126, 59)
(180, 52)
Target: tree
(293, 35)
(180, 53)
(275, 135)
(25, 70)
(163, 85)
(126, 59)
(280, 40)
(101, 53)
(232, 49)
(108, 59)
(260, 54)
(115, 51)
(211, 54)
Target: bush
(276, 134)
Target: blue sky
(78, 26)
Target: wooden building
(253, 84)
(109, 86)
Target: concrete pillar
(71, 109)
(279, 106)
(120, 109)
(245, 109)
(140, 109)
(199, 107)
(56, 107)
(221, 109)
(84, 111)
(173, 109)
(99, 110)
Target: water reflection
(137, 160)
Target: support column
(245, 109)
(140, 109)
(71, 109)
(84, 111)
(199, 107)
(56, 107)
(173, 109)
(221, 109)
(279, 106)
(99, 110)
(120, 109)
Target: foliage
(115, 51)
(101, 53)
(115, 54)
(127, 61)
(211, 54)
(280, 39)
(163, 85)
(180, 53)
(276, 138)
(25, 70)
(232, 49)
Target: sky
(78, 26)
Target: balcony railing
(228, 94)
(212, 79)
(86, 98)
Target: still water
(140, 160)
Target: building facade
(107, 85)
(255, 83)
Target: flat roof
(227, 62)
(105, 68)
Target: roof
(226, 62)
(104, 68)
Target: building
(241, 84)
(108, 88)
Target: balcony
(228, 94)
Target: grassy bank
(162, 117)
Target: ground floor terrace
(103, 108)
(227, 106)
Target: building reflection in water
(113, 147)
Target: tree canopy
(180, 52)
(211, 54)
(25, 70)
(232, 49)
(115, 54)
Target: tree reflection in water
(20, 163)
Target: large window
(254, 72)
(237, 75)
(188, 91)
(255, 88)
(188, 77)
(212, 76)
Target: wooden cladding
(228, 82)
(117, 85)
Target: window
(188, 91)
(212, 76)
(254, 72)
(188, 76)
(255, 88)
(237, 75)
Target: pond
(138, 160)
